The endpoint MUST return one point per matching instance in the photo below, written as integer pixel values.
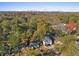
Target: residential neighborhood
(39, 34)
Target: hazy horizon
(40, 6)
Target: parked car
(33, 45)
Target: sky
(40, 6)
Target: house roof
(70, 26)
(47, 40)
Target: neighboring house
(21, 20)
(71, 27)
(47, 41)
(60, 28)
(66, 27)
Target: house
(47, 41)
(21, 20)
(71, 27)
(60, 28)
(66, 27)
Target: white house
(47, 41)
